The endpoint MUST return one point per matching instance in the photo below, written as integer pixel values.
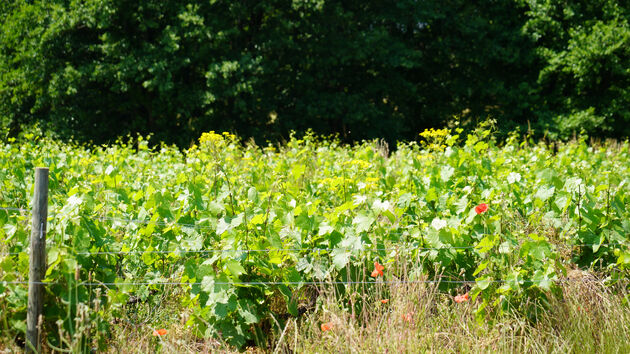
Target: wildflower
(462, 298)
(384, 301)
(407, 317)
(481, 208)
(159, 332)
(326, 326)
(378, 270)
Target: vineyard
(242, 238)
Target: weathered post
(37, 264)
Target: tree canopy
(94, 70)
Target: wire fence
(366, 282)
(317, 250)
(269, 250)
(13, 209)
(158, 223)
(37, 262)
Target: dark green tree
(94, 70)
(584, 81)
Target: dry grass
(416, 318)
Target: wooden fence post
(37, 264)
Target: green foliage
(95, 70)
(584, 49)
(164, 210)
(98, 69)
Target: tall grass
(416, 317)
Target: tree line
(93, 70)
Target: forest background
(95, 70)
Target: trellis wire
(389, 282)
(13, 209)
(12, 253)
(269, 250)
(159, 223)
(310, 250)
(199, 227)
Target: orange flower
(407, 317)
(384, 301)
(159, 332)
(462, 298)
(326, 326)
(378, 270)
(481, 208)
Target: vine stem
(579, 208)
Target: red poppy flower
(159, 332)
(407, 317)
(481, 208)
(326, 326)
(462, 298)
(378, 270)
(384, 301)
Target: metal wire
(206, 251)
(160, 223)
(13, 209)
(195, 226)
(313, 250)
(269, 250)
(563, 280)
(170, 223)
(310, 250)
